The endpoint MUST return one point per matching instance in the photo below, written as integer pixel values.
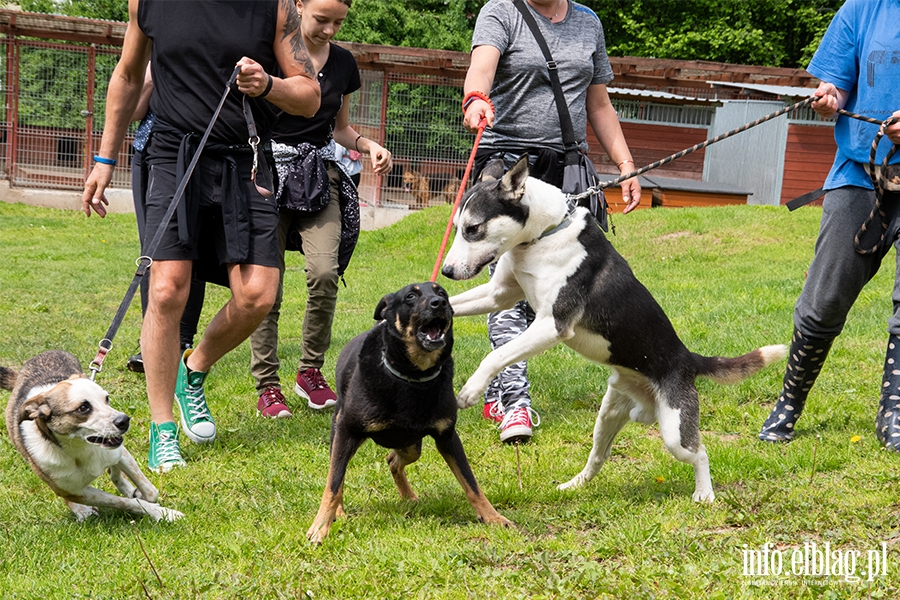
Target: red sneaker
(517, 424)
(493, 411)
(271, 404)
(312, 386)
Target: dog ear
(492, 170)
(35, 408)
(515, 178)
(382, 305)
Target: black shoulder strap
(565, 121)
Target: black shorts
(207, 238)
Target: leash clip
(254, 143)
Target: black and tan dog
(62, 424)
(395, 386)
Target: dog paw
(318, 532)
(703, 496)
(171, 515)
(82, 512)
(576, 482)
(468, 396)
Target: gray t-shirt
(526, 115)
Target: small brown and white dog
(62, 424)
(441, 186)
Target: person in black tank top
(326, 230)
(223, 219)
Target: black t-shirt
(338, 77)
(196, 44)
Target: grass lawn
(728, 279)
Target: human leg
(836, 276)
(264, 362)
(321, 235)
(887, 420)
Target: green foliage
(776, 33)
(438, 24)
(110, 10)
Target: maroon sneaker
(493, 411)
(312, 386)
(271, 404)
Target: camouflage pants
(510, 386)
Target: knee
(322, 274)
(166, 293)
(256, 301)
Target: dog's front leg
(82, 511)
(489, 297)
(541, 335)
(90, 496)
(145, 490)
(451, 448)
(343, 447)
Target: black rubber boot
(805, 360)
(887, 423)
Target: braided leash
(605, 184)
(877, 179)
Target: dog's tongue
(432, 332)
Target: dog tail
(734, 370)
(7, 378)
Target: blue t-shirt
(860, 53)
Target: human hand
(631, 194)
(893, 130)
(95, 185)
(252, 79)
(478, 110)
(827, 105)
(382, 160)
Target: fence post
(382, 131)
(89, 111)
(12, 113)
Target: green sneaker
(196, 421)
(165, 453)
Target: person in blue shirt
(858, 63)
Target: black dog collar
(400, 375)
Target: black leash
(144, 262)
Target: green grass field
(728, 279)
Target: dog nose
(122, 422)
(447, 271)
(438, 303)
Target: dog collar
(400, 375)
(565, 223)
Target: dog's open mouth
(432, 334)
(106, 442)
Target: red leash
(462, 188)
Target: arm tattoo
(291, 32)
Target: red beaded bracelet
(476, 95)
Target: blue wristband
(105, 161)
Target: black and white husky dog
(584, 295)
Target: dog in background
(395, 386)
(62, 424)
(440, 186)
(584, 295)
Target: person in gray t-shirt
(507, 66)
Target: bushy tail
(734, 370)
(7, 378)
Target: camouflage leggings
(510, 386)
